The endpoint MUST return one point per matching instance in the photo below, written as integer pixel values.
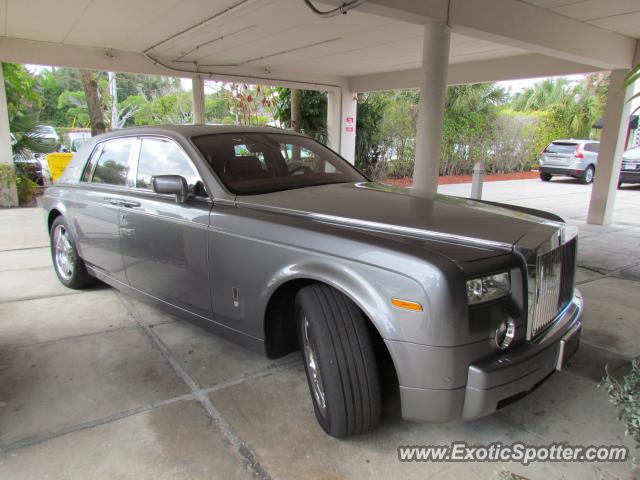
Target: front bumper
(629, 176)
(493, 382)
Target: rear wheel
(339, 361)
(69, 267)
(587, 176)
(545, 177)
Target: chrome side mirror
(171, 185)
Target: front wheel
(69, 267)
(587, 176)
(545, 177)
(339, 361)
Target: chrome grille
(554, 284)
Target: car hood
(401, 211)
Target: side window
(163, 157)
(88, 168)
(113, 163)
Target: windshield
(46, 130)
(253, 163)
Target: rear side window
(561, 147)
(88, 168)
(163, 157)
(113, 164)
(592, 147)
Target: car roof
(191, 130)
(575, 140)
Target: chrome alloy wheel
(313, 368)
(63, 252)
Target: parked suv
(630, 169)
(571, 158)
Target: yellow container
(57, 163)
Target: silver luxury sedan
(272, 240)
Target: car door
(164, 244)
(97, 203)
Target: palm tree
(28, 139)
(574, 105)
(478, 98)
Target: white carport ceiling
(283, 39)
(621, 16)
(265, 33)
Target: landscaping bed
(408, 181)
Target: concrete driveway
(94, 384)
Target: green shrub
(26, 189)
(625, 395)
(401, 168)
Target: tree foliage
(313, 121)
(23, 104)
(574, 106)
(19, 85)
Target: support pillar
(614, 134)
(8, 192)
(197, 90)
(433, 87)
(334, 113)
(349, 117)
(341, 123)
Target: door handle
(121, 203)
(113, 201)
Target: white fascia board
(92, 58)
(507, 68)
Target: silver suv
(572, 158)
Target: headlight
(488, 288)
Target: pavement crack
(36, 439)
(225, 427)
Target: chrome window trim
(102, 144)
(95, 152)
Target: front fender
(368, 287)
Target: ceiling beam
(101, 59)
(508, 68)
(521, 25)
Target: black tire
(545, 177)
(78, 277)
(338, 334)
(587, 176)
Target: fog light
(505, 333)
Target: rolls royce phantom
(275, 242)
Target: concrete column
(8, 193)
(433, 87)
(334, 113)
(341, 123)
(197, 90)
(614, 134)
(348, 135)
